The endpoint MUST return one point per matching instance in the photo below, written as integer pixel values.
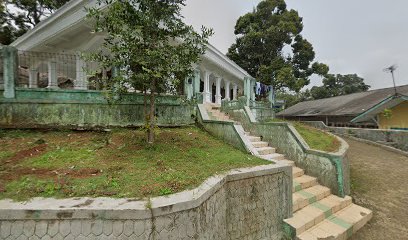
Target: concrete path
(380, 182)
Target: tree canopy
(337, 85)
(148, 44)
(263, 35)
(19, 16)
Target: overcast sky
(351, 36)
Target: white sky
(351, 36)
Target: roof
(67, 29)
(387, 103)
(347, 105)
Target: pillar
(252, 89)
(10, 71)
(188, 87)
(247, 90)
(218, 90)
(52, 75)
(227, 90)
(207, 93)
(235, 92)
(196, 82)
(33, 78)
(81, 80)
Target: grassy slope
(315, 138)
(119, 164)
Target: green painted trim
(340, 176)
(340, 222)
(310, 197)
(297, 186)
(362, 115)
(327, 210)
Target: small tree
(148, 46)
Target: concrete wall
(263, 114)
(398, 120)
(331, 169)
(34, 108)
(395, 138)
(226, 131)
(243, 204)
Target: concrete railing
(242, 204)
(394, 138)
(63, 108)
(331, 169)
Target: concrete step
(254, 139)
(303, 182)
(317, 212)
(308, 196)
(260, 144)
(297, 172)
(340, 225)
(266, 150)
(276, 157)
(288, 162)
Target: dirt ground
(380, 182)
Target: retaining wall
(243, 204)
(227, 131)
(331, 169)
(398, 138)
(32, 108)
(263, 114)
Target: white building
(68, 33)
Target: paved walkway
(380, 182)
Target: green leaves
(262, 36)
(337, 85)
(19, 16)
(147, 40)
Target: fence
(58, 70)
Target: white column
(227, 90)
(235, 92)
(81, 81)
(33, 78)
(253, 85)
(52, 75)
(206, 93)
(218, 90)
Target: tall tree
(19, 16)
(337, 85)
(262, 36)
(148, 45)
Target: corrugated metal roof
(347, 105)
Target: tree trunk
(150, 132)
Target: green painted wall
(34, 108)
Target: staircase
(317, 214)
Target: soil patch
(46, 173)
(28, 153)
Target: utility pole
(391, 70)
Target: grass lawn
(118, 164)
(315, 138)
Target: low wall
(34, 108)
(398, 138)
(263, 114)
(243, 204)
(226, 131)
(331, 169)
